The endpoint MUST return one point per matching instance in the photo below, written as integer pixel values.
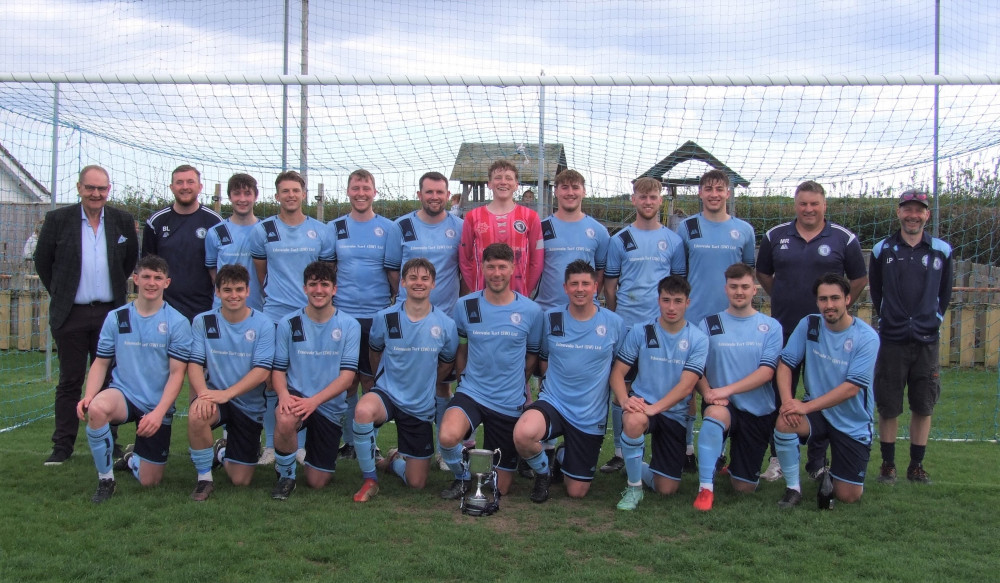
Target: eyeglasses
(90, 188)
(912, 195)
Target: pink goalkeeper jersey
(520, 228)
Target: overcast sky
(770, 136)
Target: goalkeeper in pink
(502, 221)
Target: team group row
(368, 251)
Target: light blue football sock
(787, 446)
(648, 478)
(689, 430)
(709, 448)
(364, 448)
(539, 462)
(616, 427)
(632, 451)
(348, 425)
(399, 468)
(284, 464)
(100, 448)
(440, 406)
(453, 457)
(269, 422)
(202, 460)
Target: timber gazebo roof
(690, 151)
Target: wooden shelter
(474, 159)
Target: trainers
(368, 489)
(346, 452)
(385, 464)
(283, 489)
(300, 456)
(704, 500)
(57, 457)
(631, 497)
(219, 445)
(456, 490)
(817, 474)
(441, 464)
(203, 490)
(791, 499)
(917, 474)
(555, 468)
(266, 457)
(523, 469)
(615, 464)
(121, 465)
(690, 464)
(773, 471)
(540, 491)
(887, 475)
(105, 489)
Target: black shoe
(121, 464)
(615, 464)
(918, 474)
(283, 489)
(540, 491)
(824, 496)
(555, 468)
(690, 464)
(791, 499)
(57, 457)
(720, 463)
(117, 452)
(203, 490)
(887, 474)
(523, 469)
(457, 489)
(347, 452)
(105, 489)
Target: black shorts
(581, 449)
(156, 448)
(908, 365)
(364, 363)
(242, 435)
(498, 429)
(669, 439)
(322, 440)
(848, 456)
(749, 436)
(415, 437)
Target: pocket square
(121, 239)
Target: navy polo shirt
(796, 263)
(910, 287)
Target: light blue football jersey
(228, 352)
(364, 252)
(142, 347)
(411, 352)
(312, 355)
(832, 358)
(439, 243)
(288, 250)
(566, 242)
(640, 259)
(662, 357)
(499, 337)
(580, 355)
(229, 244)
(736, 348)
(710, 248)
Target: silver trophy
(482, 467)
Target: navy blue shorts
(322, 440)
(156, 448)
(669, 439)
(581, 449)
(242, 434)
(415, 437)
(749, 436)
(848, 456)
(498, 429)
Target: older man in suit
(84, 257)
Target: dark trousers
(76, 341)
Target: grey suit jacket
(58, 256)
